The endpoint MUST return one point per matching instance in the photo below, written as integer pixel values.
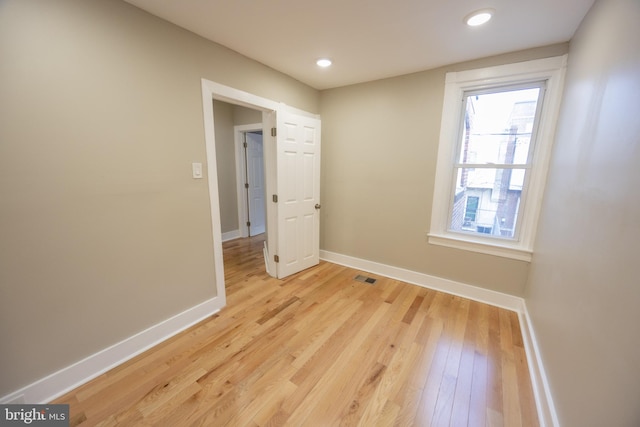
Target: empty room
(313, 213)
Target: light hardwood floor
(322, 349)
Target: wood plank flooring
(322, 349)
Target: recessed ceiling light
(324, 62)
(478, 17)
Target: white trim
(547, 415)
(73, 376)
(481, 246)
(269, 120)
(542, 394)
(475, 293)
(52, 386)
(210, 91)
(240, 179)
(230, 235)
(238, 97)
(214, 197)
(552, 70)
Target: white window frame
(551, 70)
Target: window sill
(483, 247)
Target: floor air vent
(365, 279)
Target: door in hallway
(255, 181)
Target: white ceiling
(369, 39)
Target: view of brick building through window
(494, 154)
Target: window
(495, 140)
(471, 210)
(493, 158)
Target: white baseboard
(65, 380)
(542, 392)
(230, 235)
(475, 293)
(60, 382)
(544, 402)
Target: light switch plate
(196, 168)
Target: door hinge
(248, 223)
(244, 144)
(275, 198)
(246, 185)
(276, 258)
(274, 132)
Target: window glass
(494, 153)
(498, 126)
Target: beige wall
(103, 232)
(246, 116)
(584, 291)
(379, 149)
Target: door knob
(318, 206)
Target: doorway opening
(240, 172)
(250, 179)
(292, 180)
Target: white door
(255, 176)
(298, 191)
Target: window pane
(487, 201)
(498, 126)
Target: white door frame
(243, 209)
(216, 91)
